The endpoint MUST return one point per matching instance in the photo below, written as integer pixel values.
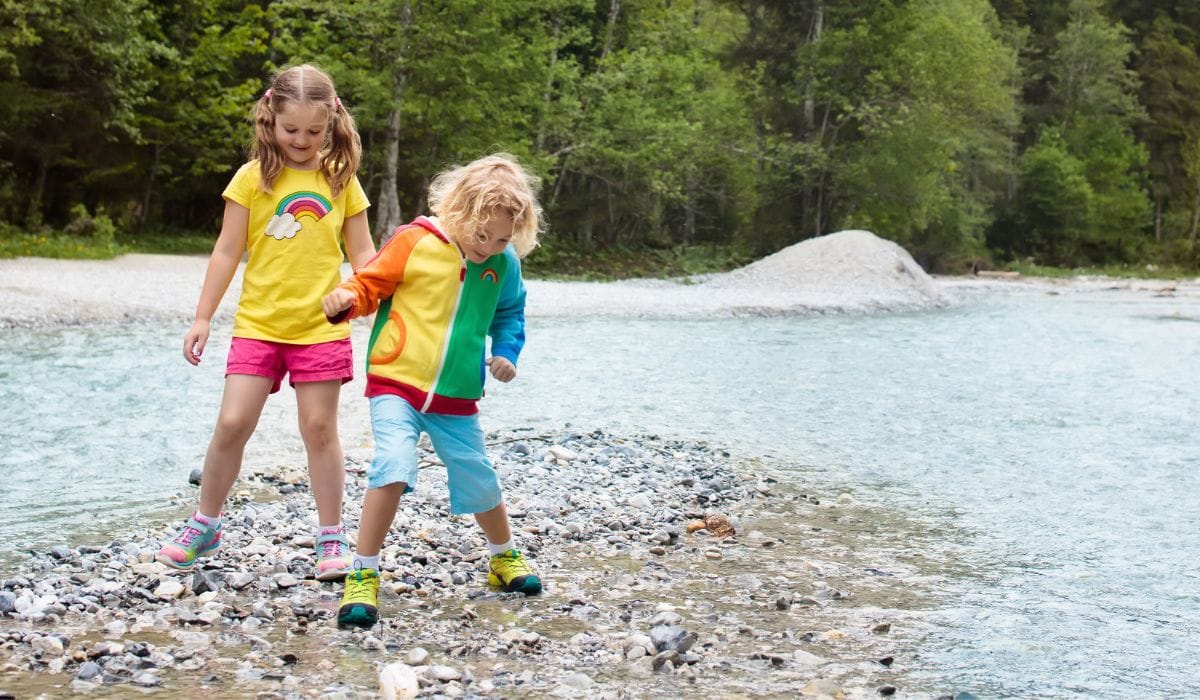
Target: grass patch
(1150, 271)
(169, 243)
(549, 262)
(52, 244)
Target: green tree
(1170, 76)
(1095, 101)
(433, 83)
(655, 153)
(195, 131)
(1054, 210)
(929, 167)
(75, 78)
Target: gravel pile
(850, 269)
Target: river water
(1054, 437)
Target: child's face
(497, 234)
(300, 132)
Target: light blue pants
(458, 441)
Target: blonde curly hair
(464, 199)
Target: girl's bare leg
(241, 405)
(317, 405)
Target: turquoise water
(96, 424)
(1057, 435)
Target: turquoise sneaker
(197, 538)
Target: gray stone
(671, 637)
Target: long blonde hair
(305, 85)
(465, 197)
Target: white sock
(324, 529)
(361, 562)
(501, 548)
(212, 520)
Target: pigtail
(341, 161)
(264, 147)
(306, 84)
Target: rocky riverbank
(671, 568)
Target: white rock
(560, 452)
(50, 646)
(641, 501)
(445, 673)
(286, 580)
(398, 682)
(169, 589)
(417, 656)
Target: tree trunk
(389, 216)
(547, 93)
(34, 216)
(689, 212)
(1195, 217)
(1158, 220)
(149, 192)
(810, 128)
(614, 8)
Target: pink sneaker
(333, 555)
(198, 537)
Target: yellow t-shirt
(295, 244)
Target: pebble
(607, 522)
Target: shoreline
(637, 601)
(46, 293)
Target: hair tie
(268, 94)
(337, 101)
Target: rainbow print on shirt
(292, 208)
(489, 275)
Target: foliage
(667, 132)
(620, 262)
(48, 243)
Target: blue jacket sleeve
(508, 323)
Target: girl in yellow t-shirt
(292, 207)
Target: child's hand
(337, 301)
(195, 340)
(502, 369)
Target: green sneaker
(512, 573)
(360, 602)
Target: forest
(1055, 132)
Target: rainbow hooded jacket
(427, 344)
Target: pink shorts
(322, 362)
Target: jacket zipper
(462, 276)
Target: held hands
(337, 301)
(502, 369)
(195, 340)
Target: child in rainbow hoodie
(438, 287)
